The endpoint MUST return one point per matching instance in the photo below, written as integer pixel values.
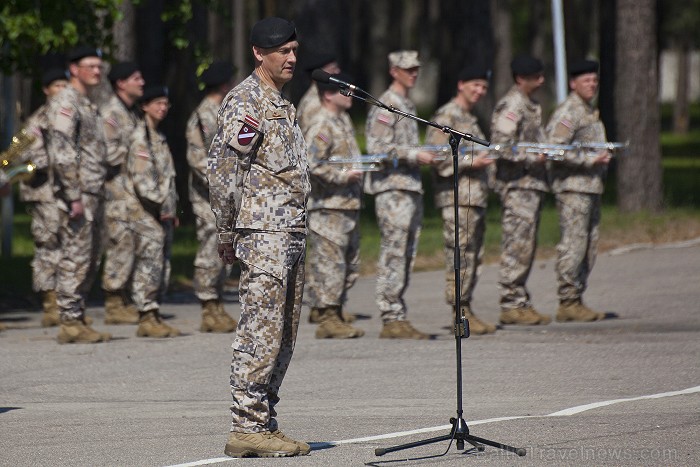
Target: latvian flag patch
(251, 121)
(385, 119)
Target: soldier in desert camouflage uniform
(577, 182)
(148, 189)
(38, 194)
(120, 122)
(310, 103)
(472, 85)
(259, 185)
(398, 194)
(209, 272)
(523, 183)
(334, 213)
(76, 141)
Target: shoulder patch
(251, 121)
(322, 137)
(246, 134)
(384, 119)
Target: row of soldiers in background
(105, 183)
(521, 178)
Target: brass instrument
(363, 162)
(557, 152)
(10, 159)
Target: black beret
(217, 73)
(524, 65)
(582, 67)
(78, 53)
(324, 87)
(122, 70)
(473, 71)
(153, 92)
(272, 32)
(54, 74)
(319, 60)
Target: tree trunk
(639, 180)
(503, 48)
(681, 114)
(125, 33)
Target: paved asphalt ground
(623, 391)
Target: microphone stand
(460, 430)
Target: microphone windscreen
(320, 76)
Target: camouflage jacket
(308, 108)
(576, 120)
(119, 124)
(77, 144)
(516, 118)
(40, 187)
(388, 133)
(257, 167)
(332, 135)
(201, 128)
(473, 183)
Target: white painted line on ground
(561, 413)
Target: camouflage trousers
(209, 271)
(120, 243)
(147, 271)
(579, 219)
(168, 228)
(271, 290)
(472, 224)
(46, 222)
(519, 221)
(399, 215)
(334, 255)
(79, 262)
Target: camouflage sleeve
(435, 137)
(169, 206)
(504, 130)
(144, 174)
(115, 139)
(63, 125)
(36, 153)
(196, 148)
(320, 145)
(561, 129)
(380, 132)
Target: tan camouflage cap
(404, 59)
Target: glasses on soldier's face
(91, 66)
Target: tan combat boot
(333, 327)
(2, 327)
(151, 325)
(215, 318)
(401, 330)
(304, 448)
(50, 316)
(526, 316)
(576, 311)
(315, 317)
(476, 326)
(264, 444)
(76, 331)
(116, 312)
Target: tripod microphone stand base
(460, 433)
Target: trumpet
(362, 163)
(557, 152)
(9, 158)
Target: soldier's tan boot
(50, 316)
(264, 444)
(304, 448)
(116, 312)
(525, 316)
(401, 330)
(315, 317)
(151, 325)
(75, 331)
(2, 327)
(476, 325)
(577, 311)
(333, 327)
(215, 318)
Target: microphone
(323, 77)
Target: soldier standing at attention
(148, 189)
(522, 176)
(577, 182)
(38, 194)
(259, 184)
(310, 103)
(120, 122)
(472, 85)
(209, 272)
(76, 141)
(398, 194)
(334, 213)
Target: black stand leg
(460, 430)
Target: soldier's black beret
(319, 60)
(53, 74)
(582, 67)
(272, 32)
(122, 70)
(78, 53)
(474, 71)
(218, 73)
(524, 65)
(324, 87)
(153, 92)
